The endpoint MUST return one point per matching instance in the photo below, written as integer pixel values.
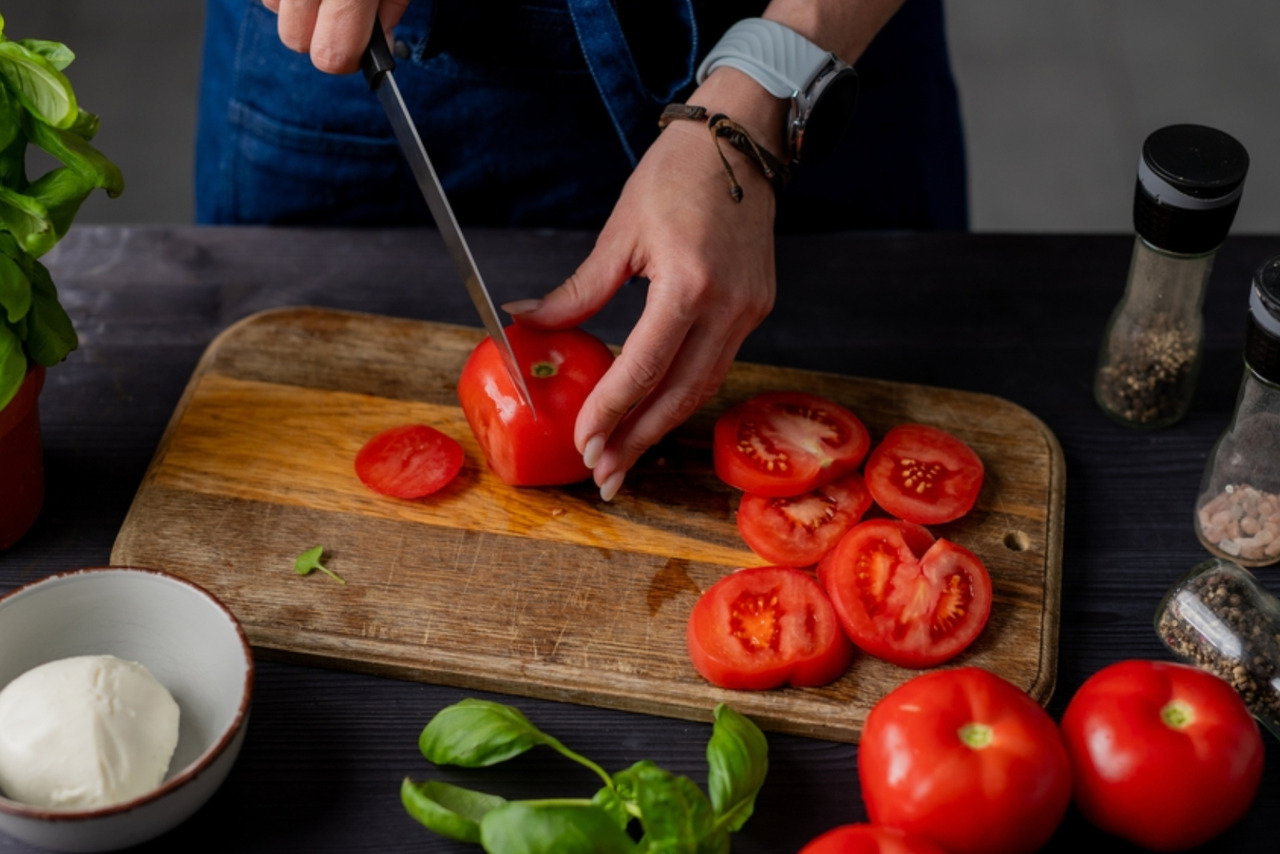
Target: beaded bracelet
(722, 126)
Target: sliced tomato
(766, 626)
(903, 596)
(923, 474)
(785, 443)
(799, 530)
(409, 461)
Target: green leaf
(611, 802)
(85, 126)
(11, 131)
(13, 365)
(738, 756)
(477, 733)
(75, 152)
(536, 828)
(15, 289)
(675, 814)
(40, 87)
(309, 561)
(449, 810)
(28, 221)
(61, 191)
(58, 54)
(50, 335)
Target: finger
(597, 279)
(342, 29)
(296, 23)
(273, 5)
(389, 13)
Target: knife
(378, 65)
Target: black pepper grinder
(1190, 179)
(1238, 509)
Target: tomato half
(903, 596)
(787, 442)
(766, 626)
(923, 474)
(798, 530)
(560, 368)
(409, 461)
(869, 839)
(966, 759)
(1163, 754)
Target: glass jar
(1219, 618)
(1238, 507)
(1190, 179)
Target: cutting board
(546, 592)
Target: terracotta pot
(21, 460)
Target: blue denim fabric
(526, 130)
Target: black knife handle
(377, 59)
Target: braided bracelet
(722, 126)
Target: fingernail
(522, 306)
(611, 485)
(591, 453)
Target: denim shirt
(535, 112)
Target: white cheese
(85, 732)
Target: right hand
(334, 32)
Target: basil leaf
(674, 812)
(10, 131)
(476, 733)
(611, 802)
(61, 191)
(15, 289)
(58, 54)
(13, 365)
(534, 828)
(85, 125)
(75, 152)
(449, 810)
(50, 335)
(27, 220)
(738, 756)
(40, 87)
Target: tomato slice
(903, 596)
(799, 530)
(766, 626)
(786, 443)
(925, 475)
(409, 461)
(869, 839)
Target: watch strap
(775, 56)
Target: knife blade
(378, 66)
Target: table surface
(1018, 316)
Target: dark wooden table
(1018, 316)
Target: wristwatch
(822, 88)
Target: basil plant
(38, 107)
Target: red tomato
(923, 474)
(560, 369)
(799, 530)
(785, 443)
(903, 596)
(409, 461)
(1163, 754)
(869, 839)
(965, 759)
(761, 627)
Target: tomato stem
(1177, 714)
(976, 735)
(543, 369)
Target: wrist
(731, 92)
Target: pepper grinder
(1190, 179)
(1238, 509)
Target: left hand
(710, 266)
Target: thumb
(584, 293)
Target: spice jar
(1238, 509)
(1219, 618)
(1190, 179)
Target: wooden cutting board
(549, 592)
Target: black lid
(1189, 184)
(1262, 335)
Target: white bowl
(188, 640)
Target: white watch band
(777, 57)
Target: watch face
(831, 103)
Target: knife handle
(377, 59)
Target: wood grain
(547, 593)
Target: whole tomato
(1164, 755)
(560, 368)
(869, 839)
(967, 760)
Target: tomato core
(1177, 714)
(976, 736)
(543, 369)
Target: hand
(334, 32)
(710, 266)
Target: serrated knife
(378, 66)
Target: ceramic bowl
(188, 640)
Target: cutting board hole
(1017, 541)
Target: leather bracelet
(723, 127)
